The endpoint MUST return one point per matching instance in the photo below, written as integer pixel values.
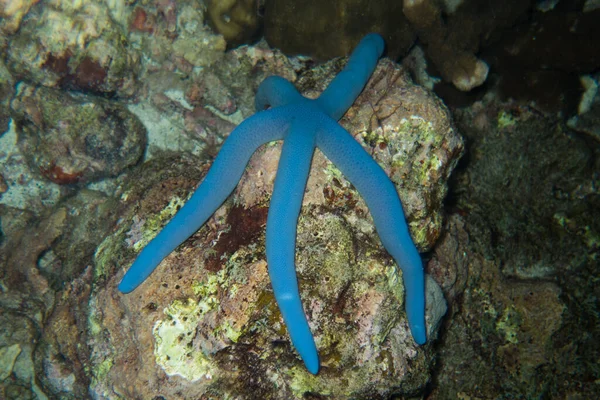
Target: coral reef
(523, 241)
(74, 140)
(57, 228)
(6, 92)
(74, 46)
(514, 261)
(224, 287)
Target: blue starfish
(303, 124)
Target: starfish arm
(381, 197)
(276, 91)
(219, 182)
(347, 85)
(292, 175)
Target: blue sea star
(303, 124)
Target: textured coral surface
(207, 317)
(510, 244)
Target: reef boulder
(71, 138)
(206, 320)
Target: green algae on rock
(416, 143)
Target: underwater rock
(44, 310)
(24, 188)
(523, 241)
(20, 253)
(62, 354)
(528, 232)
(89, 219)
(410, 133)
(18, 337)
(6, 92)
(27, 298)
(12, 14)
(503, 330)
(448, 265)
(76, 46)
(195, 115)
(206, 321)
(75, 139)
(46, 279)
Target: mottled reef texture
(206, 320)
(206, 323)
(526, 226)
(75, 140)
(89, 85)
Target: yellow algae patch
(174, 350)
